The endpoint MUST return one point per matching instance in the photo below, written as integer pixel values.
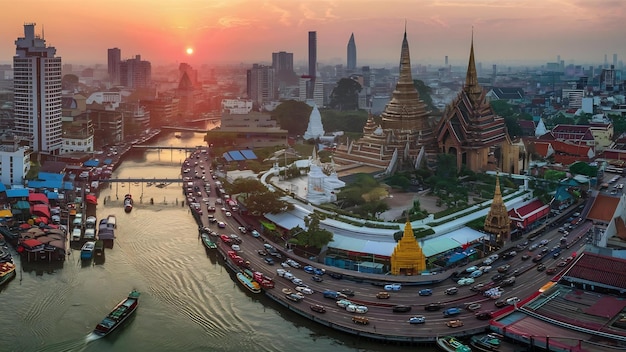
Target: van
(360, 320)
(451, 312)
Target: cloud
(284, 15)
(230, 22)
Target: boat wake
(91, 337)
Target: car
(479, 287)
(393, 287)
(284, 265)
(500, 303)
(235, 247)
(305, 290)
(425, 292)
(451, 312)
(484, 315)
(318, 308)
(538, 258)
(512, 300)
(465, 281)
(352, 308)
(296, 281)
(473, 306)
(228, 214)
(561, 264)
(485, 268)
(308, 269)
(401, 308)
(454, 323)
(471, 269)
(451, 291)
(269, 260)
(360, 320)
(262, 252)
(210, 209)
(276, 255)
(383, 295)
(317, 278)
(318, 271)
(221, 224)
(336, 276)
(476, 273)
(293, 263)
(503, 268)
(510, 281)
(417, 320)
(294, 297)
(551, 270)
(255, 233)
(242, 229)
(431, 307)
(541, 267)
(348, 292)
(526, 257)
(488, 261)
(343, 303)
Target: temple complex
(497, 221)
(407, 258)
(405, 134)
(470, 130)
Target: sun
(189, 51)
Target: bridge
(189, 149)
(184, 129)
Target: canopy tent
(5, 213)
(17, 193)
(41, 210)
(91, 199)
(21, 204)
(38, 198)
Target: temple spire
(405, 63)
(472, 88)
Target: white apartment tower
(37, 91)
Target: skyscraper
(282, 62)
(37, 92)
(260, 84)
(351, 54)
(312, 62)
(135, 73)
(114, 56)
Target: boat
(98, 250)
(488, 342)
(86, 252)
(112, 221)
(451, 344)
(178, 135)
(5, 255)
(128, 203)
(248, 282)
(118, 315)
(7, 272)
(207, 241)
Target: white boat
(112, 221)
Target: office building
(282, 62)
(312, 61)
(37, 97)
(135, 73)
(351, 54)
(114, 57)
(260, 84)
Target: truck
(263, 280)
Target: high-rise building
(312, 61)
(37, 93)
(351, 54)
(282, 62)
(114, 56)
(614, 60)
(135, 73)
(260, 84)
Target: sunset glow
(249, 31)
(189, 51)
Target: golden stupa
(407, 257)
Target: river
(189, 301)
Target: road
(382, 320)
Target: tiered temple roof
(407, 257)
(497, 221)
(469, 126)
(405, 127)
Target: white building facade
(37, 93)
(14, 164)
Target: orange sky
(248, 31)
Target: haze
(248, 31)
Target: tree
(266, 202)
(246, 186)
(314, 235)
(424, 92)
(292, 116)
(345, 96)
(69, 82)
(581, 168)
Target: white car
(305, 290)
(284, 265)
(471, 269)
(393, 287)
(242, 229)
(476, 273)
(512, 300)
(352, 308)
(343, 303)
(296, 281)
(228, 214)
(235, 247)
(465, 281)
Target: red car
(226, 239)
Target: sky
(248, 31)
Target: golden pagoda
(407, 257)
(497, 221)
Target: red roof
(37, 198)
(541, 148)
(601, 269)
(603, 208)
(527, 209)
(40, 210)
(31, 243)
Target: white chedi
(315, 129)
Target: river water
(189, 301)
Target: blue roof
(49, 176)
(236, 155)
(17, 193)
(227, 157)
(92, 163)
(52, 195)
(2, 187)
(107, 161)
(68, 185)
(248, 154)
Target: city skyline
(242, 31)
